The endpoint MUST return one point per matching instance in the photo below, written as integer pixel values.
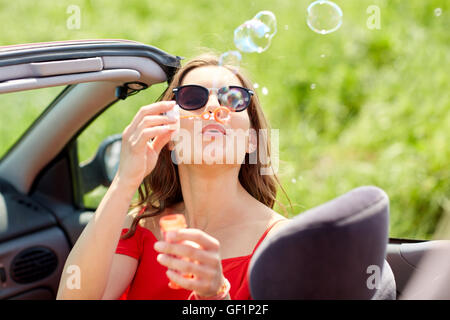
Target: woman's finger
(160, 141)
(194, 284)
(202, 238)
(152, 121)
(146, 134)
(151, 109)
(197, 254)
(185, 267)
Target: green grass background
(379, 113)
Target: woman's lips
(213, 130)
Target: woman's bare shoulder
(274, 216)
(277, 217)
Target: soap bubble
(268, 18)
(437, 12)
(313, 86)
(255, 85)
(224, 115)
(256, 34)
(232, 98)
(249, 37)
(230, 58)
(264, 91)
(324, 16)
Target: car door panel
(29, 274)
(20, 215)
(405, 258)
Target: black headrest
(333, 251)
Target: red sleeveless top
(151, 282)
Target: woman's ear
(252, 141)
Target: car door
(41, 207)
(410, 260)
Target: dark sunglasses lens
(192, 98)
(234, 98)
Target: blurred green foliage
(355, 107)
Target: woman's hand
(204, 263)
(138, 154)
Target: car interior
(42, 183)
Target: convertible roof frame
(87, 96)
(13, 55)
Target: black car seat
(334, 251)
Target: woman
(227, 206)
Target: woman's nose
(213, 103)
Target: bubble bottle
(172, 222)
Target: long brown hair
(162, 189)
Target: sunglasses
(193, 97)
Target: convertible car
(43, 184)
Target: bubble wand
(220, 114)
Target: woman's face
(203, 147)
